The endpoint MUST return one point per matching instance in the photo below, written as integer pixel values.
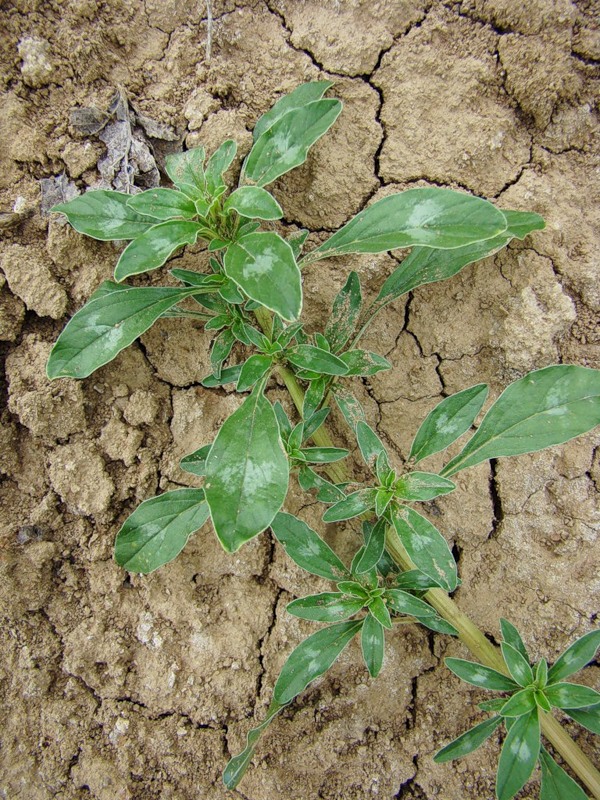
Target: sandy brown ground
(117, 687)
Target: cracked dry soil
(121, 687)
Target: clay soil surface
(118, 687)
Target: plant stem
(468, 632)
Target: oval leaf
(518, 666)
(480, 675)
(448, 420)
(589, 717)
(323, 455)
(440, 218)
(217, 165)
(263, 266)
(304, 546)
(351, 506)
(306, 356)
(548, 406)
(422, 486)
(372, 642)
(286, 143)
(373, 549)
(312, 658)
(344, 316)
(427, 548)
(571, 695)
(254, 202)
(163, 204)
(247, 473)
(325, 607)
(425, 265)
(519, 755)
(106, 325)
(468, 741)
(195, 463)
(155, 246)
(556, 784)
(301, 96)
(105, 215)
(252, 371)
(519, 703)
(159, 528)
(512, 637)
(575, 657)
(364, 363)
(404, 603)
(186, 170)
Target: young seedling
(249, 292)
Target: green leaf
(448, 420)
(307, 356)
(325, 607)
(196, 462)
(218, 164)
(468, 742)
(372, 641)
(518, 666)
(547, 407)
(107, 325)
(440, 218)
(369, 443)
(571, 695)
(415, 579)
(382, 500)
(364, 363)
(556, 784)
(312, 658)
(344, 316)
(379, 610)
(439, 625)
(246, 473)
(350, 407)
(323, 455)
(237, 766)
(519, 755)
(575, 657)
(104, 215)
(296, 241)
(426, 265)
(422, 486)
(210, 282)
(263, 266)
(159, 528)
(286, 143)
(155, 246)
(253, 369)
(589, 717)
(404, 603)
(541, 700)
(351, 506)
(480, 675)
(314, 422)
(519, 703)
(492, 705)
(163, 204)
(254, 202)
(220, 350)
(541, 673)
(427, 548)
(374, 547)
(301, 96)
(306, 548)
(314, 396)
(512, 637)
(228, 375)
(186, 170)
(326, 492)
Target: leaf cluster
(530, 690)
